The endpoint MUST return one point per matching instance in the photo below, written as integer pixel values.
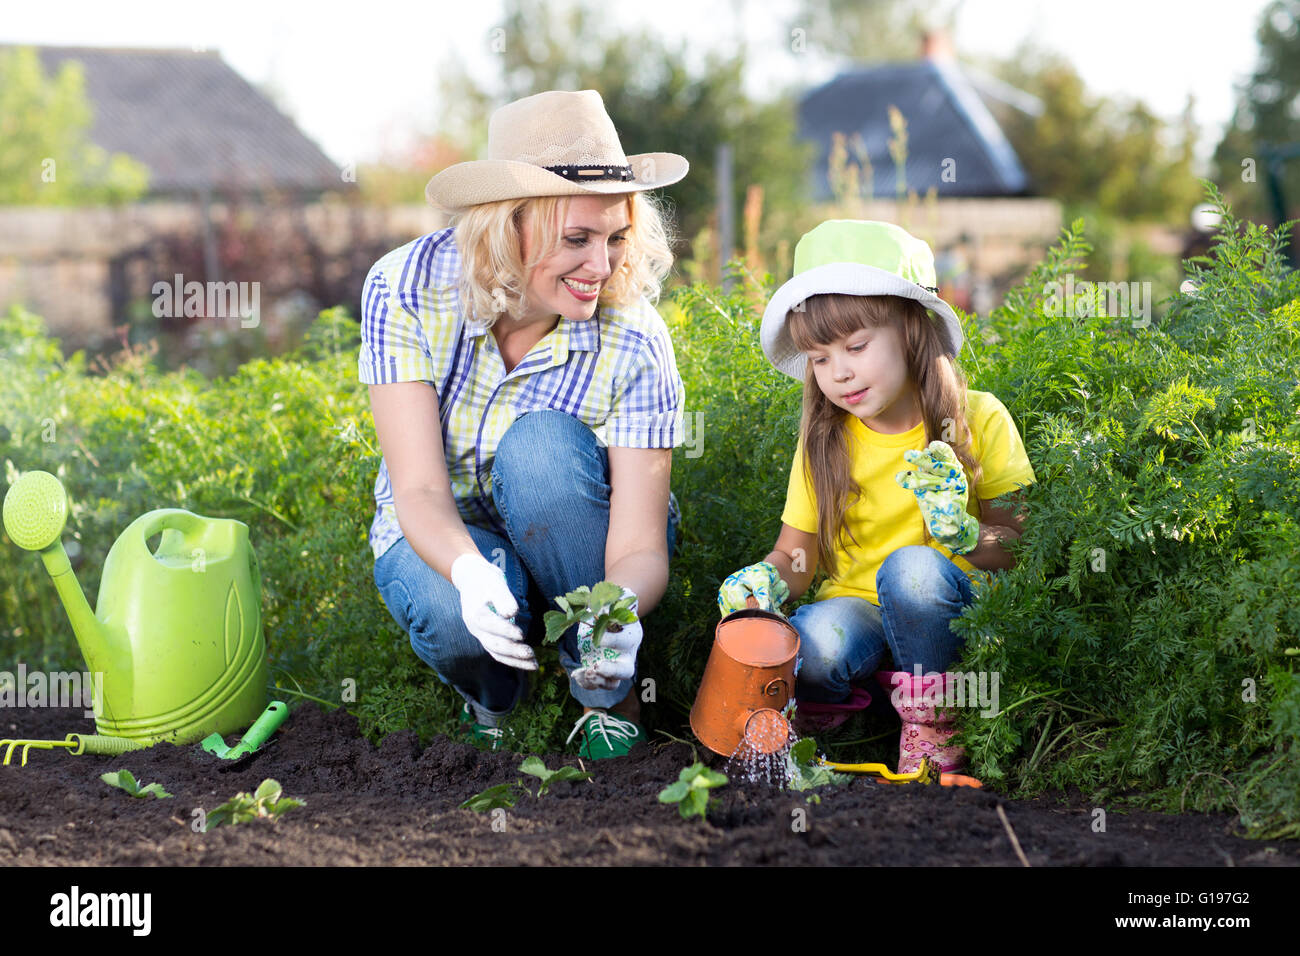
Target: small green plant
(603, 607)
(125, 780)
(535, 767)
(807, 772)
(502, 795)
(691, 791)
(507, 794)
(265, 802)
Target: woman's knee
(544, 444)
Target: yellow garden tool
(76, 745)
(926, 773)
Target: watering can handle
(770, 689)
(176, 519)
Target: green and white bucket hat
(854, 257)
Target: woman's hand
(487, 608)
(761, 580)
(605, 666)
(939, 483)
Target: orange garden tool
(926, 773)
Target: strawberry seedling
(603, 607)
(265, 802)
(125, 780)
(507, 794)
(691, 791)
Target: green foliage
(602, 606)
(502, 795)
(806, 771)
(1140, 636)
(1118, 159)
(508, 794)
(46, 156)
(535, 767)
(242, 807)
(125, 780)
(691, 791)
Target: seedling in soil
(805, 771)
(125, 780)
(502, 795)
(265, 802)
(603, 607)
(691, 791)
(535, 767)
(507, 794)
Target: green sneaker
(480, 733)
(604, 735)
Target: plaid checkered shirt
(616, 373)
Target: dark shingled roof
(193, 121)
(946, 118)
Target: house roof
(194, 121)
(946, 119)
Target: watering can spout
(35, 511)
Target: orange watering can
(748, 681)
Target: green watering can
(177, 632)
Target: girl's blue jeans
(550, 484)
(843, 640)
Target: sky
(361, 80)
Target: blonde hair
(941, 391)
(494, 277)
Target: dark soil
(397, 804)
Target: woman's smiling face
(593, 241)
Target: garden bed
(398, 804)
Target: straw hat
(552, 144)
(854, 257)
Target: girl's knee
(914, 572)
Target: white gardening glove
(604, 667)
(487, 608)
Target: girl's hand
(761, 580)
(939, 483)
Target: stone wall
(58, 262)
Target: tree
(866, 31)
(1267, 115)
(654, 100)
(46, 157)
(1092, 152)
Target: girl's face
(593, 242)
(865, 374)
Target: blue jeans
(842, 640)
(550, 483)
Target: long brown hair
(941, 391)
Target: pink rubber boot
(927, 725)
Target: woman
(527, 402)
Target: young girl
(890, 443)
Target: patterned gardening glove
(604, 667)
(760, 580)
(939, 484)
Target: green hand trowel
(252, 741)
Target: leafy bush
(1141, 638)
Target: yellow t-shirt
(885, 517)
